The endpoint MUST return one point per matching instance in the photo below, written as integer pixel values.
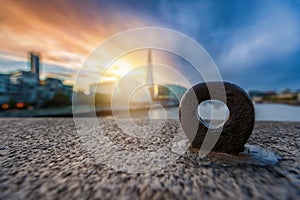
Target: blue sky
(255, 43)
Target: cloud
(63, 32)
(272, 33)
(243, 37)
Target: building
(35, 64)
(26, 87)
(23, 86)
(68, 90)
(103, 93)
(52, 86)
(149, 79)
(4, 87)
(127, 91)
(102, 88)
(4, 82)
(49, 88)
(170, 92)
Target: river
(263, 112)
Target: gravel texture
(44, 158)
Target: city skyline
(255, 44)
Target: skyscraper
(35, 64)
(150, 75)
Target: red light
(4, 106)
(20, 105)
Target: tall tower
(150, 75)
(35, 64)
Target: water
(252, 155)
(263, 112)
(277, 112)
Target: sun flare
(117, 70)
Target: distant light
(29, 107)
(20, 105)
(5, 106)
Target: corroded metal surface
(45, 159)
(236, 130)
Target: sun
(118, 69)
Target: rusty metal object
(235, 131)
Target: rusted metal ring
(235, 131)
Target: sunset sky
(254, 43)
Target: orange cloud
(64, 32)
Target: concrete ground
(44, 158)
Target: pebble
(234, 134)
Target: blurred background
(43, 44)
